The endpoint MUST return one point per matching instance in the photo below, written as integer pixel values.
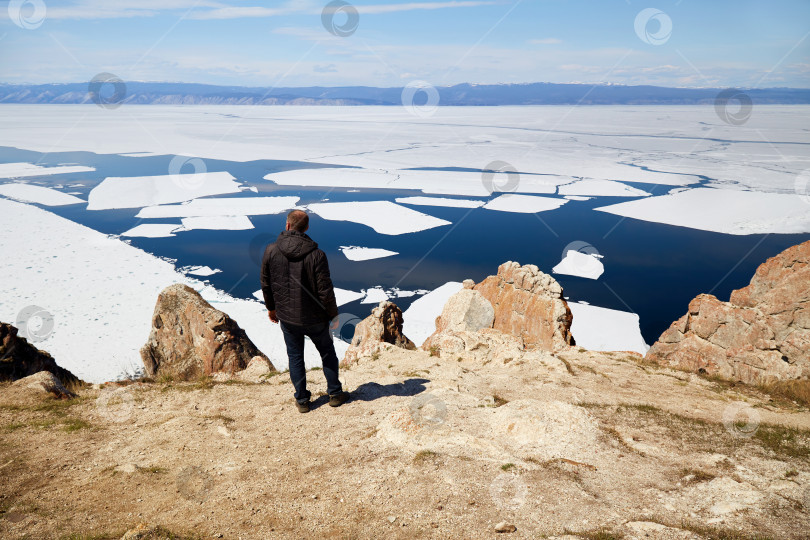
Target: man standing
(298, 294)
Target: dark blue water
(651, 269)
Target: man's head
(297, 220)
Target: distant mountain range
(145, 93)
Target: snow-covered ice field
(402, 205)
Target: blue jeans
(322, 339)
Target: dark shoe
(338, 399)
(303, 407)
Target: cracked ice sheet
(602, 329)
(217, 223)
(526, 204)
(357, 253)
(38, 194)
(384, 217)
(601, 188)
(153, 230)
(222, 206)
(23, 170)
(81, 271)
(468, 183)
(140, 191)
(439, 201)
(722, 210)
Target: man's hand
(272, 315)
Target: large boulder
(19, 359)
(190, 338)
(529, 305)
(45, 381)
(467, 311)
(761, 335)
(383, 327)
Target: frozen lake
(657, 204)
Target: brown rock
(529, 305)
(189, 338)
(383, 326)
(19, 359)
(761, 335)
(45, 381)
(465, 311)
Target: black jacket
(296, 281)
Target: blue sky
(285, 43)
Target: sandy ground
(429, 447)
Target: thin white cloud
(235, 12)
(122, 9)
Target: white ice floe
(470, 183)
(344, 296)
(585, 265)
(528, 204)
(375, 295)
(577, 198)
(153, 230)
(222, 206)
(203, 271)
(24, 170)
(440, 201)
(101, 293)
(722, 210)
(601, 188)
(384, 217)
(139, 191)
(37, 194)
(420, 318)
(357, 253)
(602, 329)
(219, 223)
